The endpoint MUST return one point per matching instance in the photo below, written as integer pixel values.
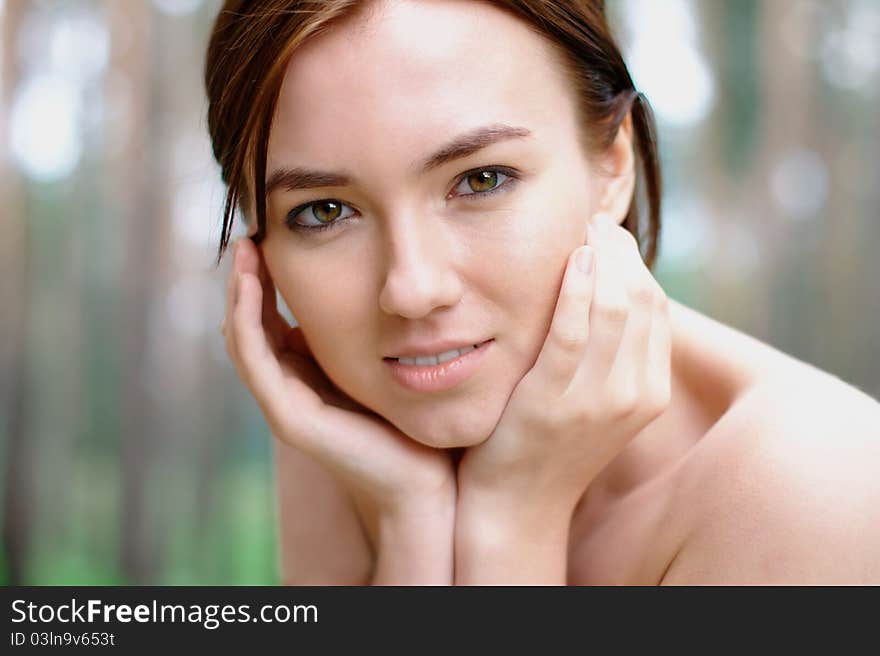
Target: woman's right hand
(305, 409)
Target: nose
(420, 275)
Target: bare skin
(763, 464)
(741, 459)
(747, 423)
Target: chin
(446, 432)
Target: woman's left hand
(603, 374)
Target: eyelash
(512, 179)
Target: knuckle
(611, 311)
(625, 404)
(643, 295)
(568, 339)
(660, 300)
(556, 421)
(549, 422)
(591, 412)
(658, 401)
(546, 414)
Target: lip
(434, 348)
(438, 377)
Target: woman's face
(420, 255)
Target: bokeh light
(44, 125)
(79, 46)
(800, 183)
(177, 7)
(665, 61)
(850, 50)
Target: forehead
(410, 73)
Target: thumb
(570, 327)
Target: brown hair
(252, 42)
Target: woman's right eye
(325, 213)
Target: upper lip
(423, 349)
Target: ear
(618, 174)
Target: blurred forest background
(131, 453)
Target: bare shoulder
(785, 488)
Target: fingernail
(584, 260)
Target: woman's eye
(318, 215)
(480, 183)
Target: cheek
(326, 311)
(536, 268)
(526, 252)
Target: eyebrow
(291, 179)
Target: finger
(226, 328)
(610, 308)
(230, 285)
(259, 366)
(629, 371)
(284, 397)
(643, 292)
(271, 317)
(275, 325)
(569, 328)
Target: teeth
(436, 359)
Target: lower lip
(439, 377)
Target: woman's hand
(410, 486)
(602, 375)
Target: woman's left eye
(484, 182)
